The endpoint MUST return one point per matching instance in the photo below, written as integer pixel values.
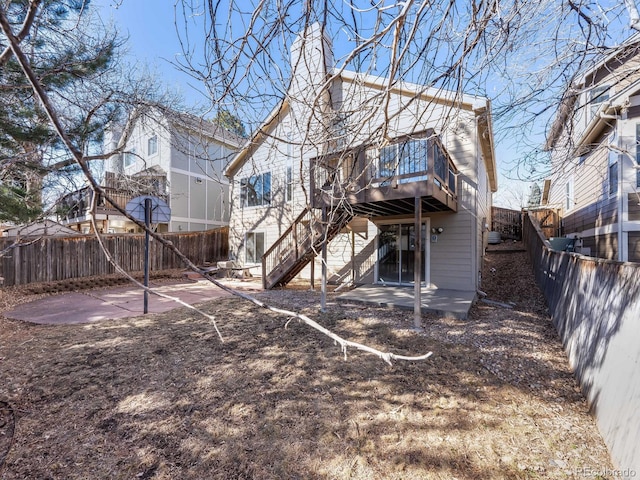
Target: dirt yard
(161, 397)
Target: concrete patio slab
(449, 303)
(96, 305)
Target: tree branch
(24, 31)
(80, 160)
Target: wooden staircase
(299, 244)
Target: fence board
(507, 222)
(548, 220)
(48, 259)
(595, 306)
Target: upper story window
(339, 133)
(256, 190)
(288, 192)
(597, 96)
(152, 145)
(569, 199)
(130, 157)
(404, 159)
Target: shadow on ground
(161, 397)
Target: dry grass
(160, 397)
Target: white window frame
(152, 145)
(253, 260)
(597, 96)
(130, 158)
(264, 196)
(288, 184)
(569, 194)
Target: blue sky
(153, 44)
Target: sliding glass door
(396, 254)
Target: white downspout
(622, 242)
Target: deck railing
(78, 204)
(372, 174)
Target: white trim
(631, 226)
(264, 243)
(451, 97)
(569, 202)
(207, 177)
(593, 232)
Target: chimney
(311, 61)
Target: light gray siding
(179, 195)
(290, 141)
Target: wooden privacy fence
(507, 222)
(548, 220)
(48, 259)
(595, 307)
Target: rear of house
(364, 156)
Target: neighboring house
(330, 144)
(175, 156)
(595, 180)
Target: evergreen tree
(535, 196)
(228, 120)
(68, 62)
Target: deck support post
(323, 288)
(147, 224)
(353, 257)
(417, 265)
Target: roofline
(440, 95)
(447, 97)
(633, 39)
(257, 138)
(600, 120)
(216, 132)
(487, 144)
(572, 92)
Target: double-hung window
(597, 97)
(569, 200)
(288, 192)
(130, 157)
(255, 191)
(152, 145)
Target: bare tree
(522, 55)
(240, 52)
(49, 102)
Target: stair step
(296, 257)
